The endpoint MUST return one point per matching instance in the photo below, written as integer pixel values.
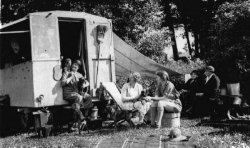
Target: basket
(170, 120)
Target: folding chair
(119, 113)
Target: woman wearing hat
(166, 98)
(72, 89)
(191, 87)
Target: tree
(228, 42)
(197, 15)
(132, 19)
(170, 23)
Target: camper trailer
(33, 48)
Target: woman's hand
(136, 97)
(148, 98)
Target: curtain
(82, 42)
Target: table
(228, 104)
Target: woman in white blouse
(131, 92)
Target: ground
(202, 136)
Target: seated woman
(73, 93)
(166, 97)
(131, 92)
(192, 86)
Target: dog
(143, 94)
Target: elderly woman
(192, 86)
(73, 90)
(131, 92)
(166, 97)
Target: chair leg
(132, 123)
(87, 128)
(83, 124)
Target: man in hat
(210, 89)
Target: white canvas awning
(128, 60)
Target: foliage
(153, 43)
(137, 21)
(179, 66)
(146, 34)
(228, 43)
(184, 68)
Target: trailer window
(15, 45)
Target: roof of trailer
(70, 14)
(60, 14)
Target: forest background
(217, 32)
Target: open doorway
(73, 42)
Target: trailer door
(101, 62)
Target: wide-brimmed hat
(175, 135)
(210, 68)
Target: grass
(203, 136)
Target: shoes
(153, 126)
(141, 125)
(148, 122)
(157, 127)
(83, 123)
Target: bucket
(94, 113)
(170, 120)
(233, 89)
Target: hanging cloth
(81, 46)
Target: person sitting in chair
(131, 93)
(190, 88)
(210, 89)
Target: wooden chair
(118, 112)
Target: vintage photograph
(125, 74)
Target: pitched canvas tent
(129, 60)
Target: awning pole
(12, 32)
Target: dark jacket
(211, 88)
(194, 86)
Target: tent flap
(128, 60)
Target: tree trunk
(174, 45)
(170, 24)
(188, 40)
(196, 43)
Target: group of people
(166, 96)
(199, 92)
(75, 89)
